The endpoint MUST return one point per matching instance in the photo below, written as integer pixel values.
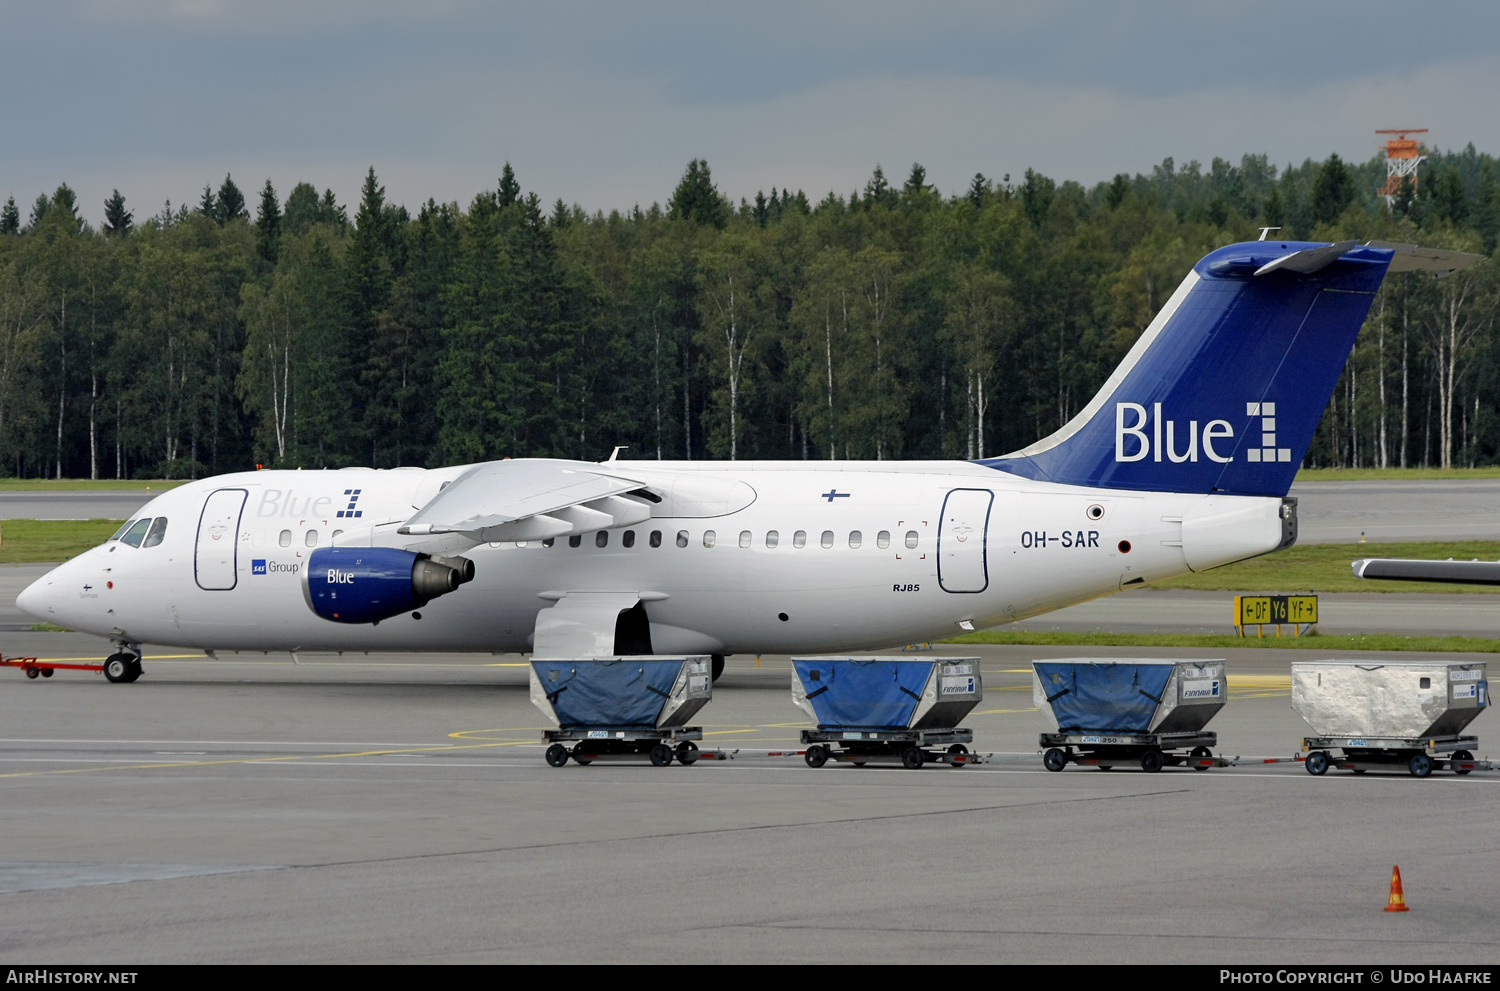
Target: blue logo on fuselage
(258, 566)
(349, 511)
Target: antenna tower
(1402, 156)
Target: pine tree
(510, 190)
(230, 204)
(1333, 190)
(916, 181)
(979, 190)
(559, 214)
(118, 221)
(10, 217)
(268, 224)
(696, 200)
(329, 211)
(1119, 188)
(762, 210)
(207, 205)
(301, 209)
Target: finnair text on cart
(1181, 462)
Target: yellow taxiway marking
(99, 660)
(270, 760)
(472, 734)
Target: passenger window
(285, 539)
(655, 540)
(827, 540)
(772, 538)
(548, 542)
(911, 539)
(601, 539)
(576, 540)
(744, 538)
(1425, 683)
(311, 539)
(854, 539)
(629, 539)
(883, 539)
(157, 532)
(709, 538)
(136, 533)
(121, 532)
(336, 535)
(799, 539)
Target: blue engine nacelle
(368, 584)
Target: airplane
(1180, 463)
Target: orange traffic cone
(1397, 901)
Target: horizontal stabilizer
(1438, 261)
(1308, 260)
(1450, 571)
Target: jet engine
(368, 584)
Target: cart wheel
(1360, 770)
(956, 750)
(1201, 753)
(1152, 761)
(33, 672)
(816, 756)
(859, 762)
(1055, 760)
(117, 668)
(1316, 763)
(912, 758)
(1420, 765)
(575, 752)
(46, 672)
(557, 755)
(661, 755)
(1105, 767)
(1458, 755)
(687, 753)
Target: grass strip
(1325, 568)
(152, 485)
(28, 541)
(1308, 641)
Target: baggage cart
(887, 709)
(623, 708)
(1390, 715)
(34, 668)
(1149, 713)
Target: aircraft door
(215, 554)
(961, 541)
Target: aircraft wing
(1450, 571)
(533, 500)
(1438, 261)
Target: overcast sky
(604, 103)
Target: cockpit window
(121, 532)
(157, 532)
(136, 533)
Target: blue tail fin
(1222, 393)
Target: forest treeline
(894, 322)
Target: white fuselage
(1004, 548)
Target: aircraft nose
(33, 599)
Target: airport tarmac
(1328, 512)
(385, 809)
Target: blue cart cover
(607, 693)
(1120, 697)
(874, 694)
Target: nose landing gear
(122, 667)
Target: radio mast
(1402, 156)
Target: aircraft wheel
(1420, 765)
(1316, 763)
(1458, 755)
(815, 756)
(118, 669)
(661, 755)
(557, 755)
(1152, 761)
(687, 753)
(1055, 760)
(912, 758)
